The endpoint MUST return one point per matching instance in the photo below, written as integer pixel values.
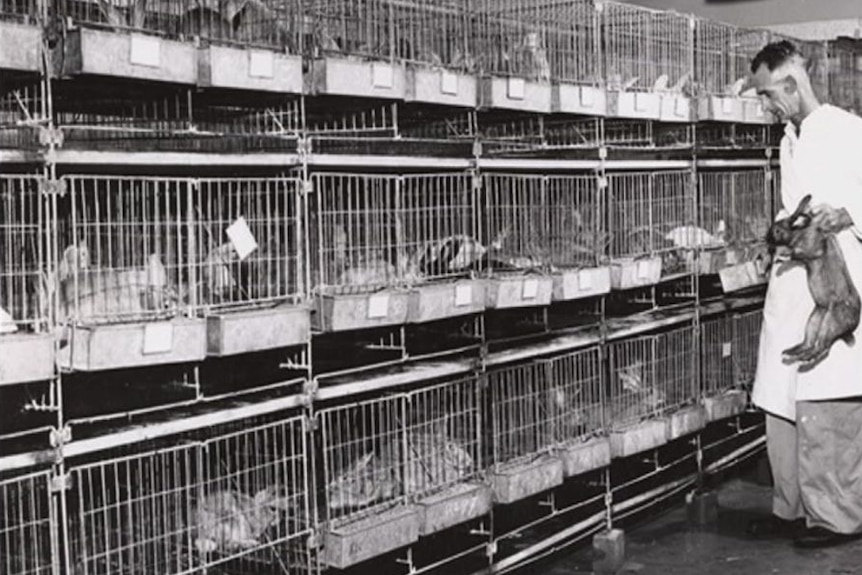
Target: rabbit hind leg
(808, 345)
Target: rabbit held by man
(802, 239)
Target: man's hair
(774, 55)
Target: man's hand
(830, 219)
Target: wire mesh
(746, 342)
(443, 436)
(727, 135)
(126, 247)
(22, 112)
(653, 214)
(575, 393)
(735, 208)
(363, 448)
(646, 50)
(520, 400)
(718, 354)
(161, 17)
(439, 223)
(845, 74)
(18, 8)
(513, 38)
(354, 28)
(650, 376)
(516, 209)
(235, 215)
(577, 236)
(24, 221)
(255, 496)
(28, 526)
(639, 134)
(722, 56)
(434, 33)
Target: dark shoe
(772, 526)
(819, 537)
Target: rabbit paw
(793, 354)
(811, 362)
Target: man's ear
(790, 85)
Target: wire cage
(651, 376)
(729, 135)
(718, 355)
(28, 525)
(248, 242)
(18, 9)
(629, 133)
(845, 73)
(22, 112)
(652, 214)
(575, 232)
(125, 249)
(361, 29)
(444, 423)
(521, 399)
(514, 38)
(24, 223)
(363, 448)
(576, 396)
(163, 18)
(518, 134)
(646, 50)
(238, 499)
(735, 209)
(129, 117)
(746, 342)
(434, 33)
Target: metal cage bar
(746, 342)
(355, 226)
(363, 449)
(248, 241)
(513, 38)
(722, 56)
(19, 9)
(718, 354)
(650, 376)
(646, 50)
(735, 208)
(845, 73)
(516, 208)
(444, 434)
(28, 526)
(434, 33)
(353, 28)
(126, 248)
(23, 109)
(577, 235)
(521, 400)
(653, 214)
(576, 395)
(24, 225)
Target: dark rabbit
(837, 305)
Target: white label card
(680, 106)
(644, 268)
(726, 105)
(146, 51)
(463, 295)
(261, 64)
(531, 289)
(158, 338)
(517, 88)
(585, 279)
(587, 97)
(381, 75)
(725, 349)
(378, 305)
(448, 83)
(241, 237)
(731, 257)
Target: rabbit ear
(802, 207)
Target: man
(814, 418)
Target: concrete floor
(668, 546)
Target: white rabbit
(230, 521)
(7, 325)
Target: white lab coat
(826, 162)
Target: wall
(762, 12)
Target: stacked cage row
(583, 57)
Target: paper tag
(679, 106)
(531, 289)
(241, 238)
(378, 305)
(261, 64)
(731, 257)
(517, 88)
(639, 101)
(726, 105)
(585, 279)
(758, 110)
(587, 97)
(158, 338)
(725, 349)
(382, 75)
(463, 295)
(644, 269)
(146, 51)
(448, 83)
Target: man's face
(777, 92)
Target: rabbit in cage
(229, 521)
(530, 57)
(432, 459)
(635, 398)
(837, 304)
